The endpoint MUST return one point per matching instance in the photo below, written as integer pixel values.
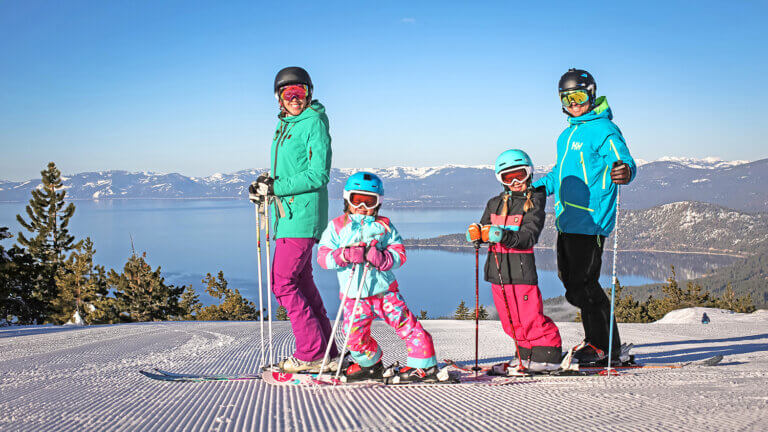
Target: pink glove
(349, 255)
(338, 256)
(382, 260)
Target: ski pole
(269, 281)
(506, 304)
(360, 287)
(477, 303)
(261, 289)
(332, 337)
(614, 281)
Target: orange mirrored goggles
(518, 174)
(357, 199)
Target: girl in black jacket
(511, 224)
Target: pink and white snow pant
(391, 307)
(532, 327)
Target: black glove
(265, 185)
(261, 188)
(620, 173)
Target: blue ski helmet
(365, 181)
(511, 158)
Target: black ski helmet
(292, 75)
(578, 79)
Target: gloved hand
(381, 260)
(484, 232)
(253, 194)
(495, 233)
(264, 185)
(473, 233)
(620, 173)
(347, 255)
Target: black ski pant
(579, 258)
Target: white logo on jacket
(576, 145)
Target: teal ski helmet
(366, 182)
(512, 158)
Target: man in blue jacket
(592, 159)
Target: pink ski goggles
(299, 91)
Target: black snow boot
(355, 372)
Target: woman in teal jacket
(585, 182)
(300, 168)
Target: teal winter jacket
(301, 165)
(585, 196)
(352, 229)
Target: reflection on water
(189, 238)
(651, 265)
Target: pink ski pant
(532, 327)
(391, 307)
(295, 289)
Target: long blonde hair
(528, 201)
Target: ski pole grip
(617, 164)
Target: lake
(189, 238)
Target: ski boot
(502, 369)
(544, 359)
(294, 365)
(355, 372)
(412, 375)
(588, 355)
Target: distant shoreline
(718, 253)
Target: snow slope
(86, 379)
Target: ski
(710, 361)
(229, 377)
(447, 378)
(161, 375)
(575, 370)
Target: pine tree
(281, 314)
(483, 313)
(729, 301)
(141, 292)
(234, 306)
(422, 314)
(50, 241)
(462, 312)
(81, 285)
(19, 273)
(629, 310)
(190, 305)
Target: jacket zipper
(584, 168)
(604, 173)
(562, 161)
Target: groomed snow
(694, 316)
(72, 378)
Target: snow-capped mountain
(733, 184)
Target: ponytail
(528, 201)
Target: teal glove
(495, 234)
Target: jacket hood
(315, 109)
(602, 110)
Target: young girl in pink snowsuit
(511, 224)
(364, 248)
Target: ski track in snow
(86, 378)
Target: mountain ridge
(448, 186)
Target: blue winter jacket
(585, 196)
(347, 230)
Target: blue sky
(186, 86)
